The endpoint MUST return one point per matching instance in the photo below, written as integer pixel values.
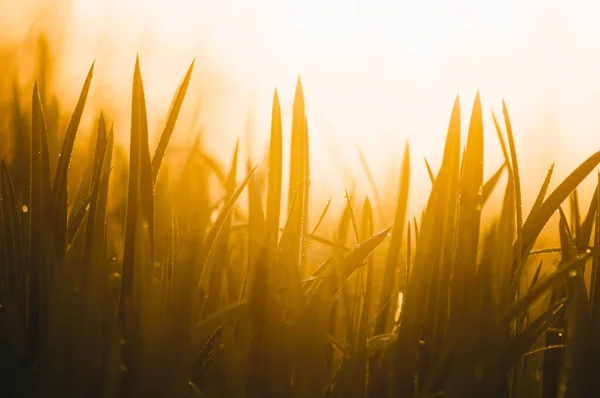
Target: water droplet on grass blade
(25, 209)
(572, 273)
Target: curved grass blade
(94, 222)
(207, 246)
(352, 261)
(544, 286)
(60, 179)
(490, 184)
(429, 171)
(502, 143)
(518, 347)
(515, 167)
(585, 232)
(77, 220)
(321, 218)
(539, 200)
(538, 219)
(171, 121)
(391, 286)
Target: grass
(158, 289)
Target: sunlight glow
(375, 72)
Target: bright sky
(375, 72)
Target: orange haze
(375, 73)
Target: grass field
(127, 275)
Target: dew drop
(25, 209)
(572, 273)
(559, 334)
(480, 190)
(389, 234)
(588, 250)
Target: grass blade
(171, 120)
(60, 179)
(275, 175)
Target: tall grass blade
(490, 184)
(390, 287)
(60, 179)
(537, 220)
(207, 246)
(468, 222)
(171, 121)
(275, 176)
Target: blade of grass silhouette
(275, 176)
(60, 179)
(390, 286)
(543, 286)
(536, 221)
(354, 259)
(209, 242)
(321, 218)
(490, 184)
(585, 232)
(171, 121)
(542, 193)
(429, 171)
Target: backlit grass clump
(136, 282)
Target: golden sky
(375, 72)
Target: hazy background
(375, 73)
